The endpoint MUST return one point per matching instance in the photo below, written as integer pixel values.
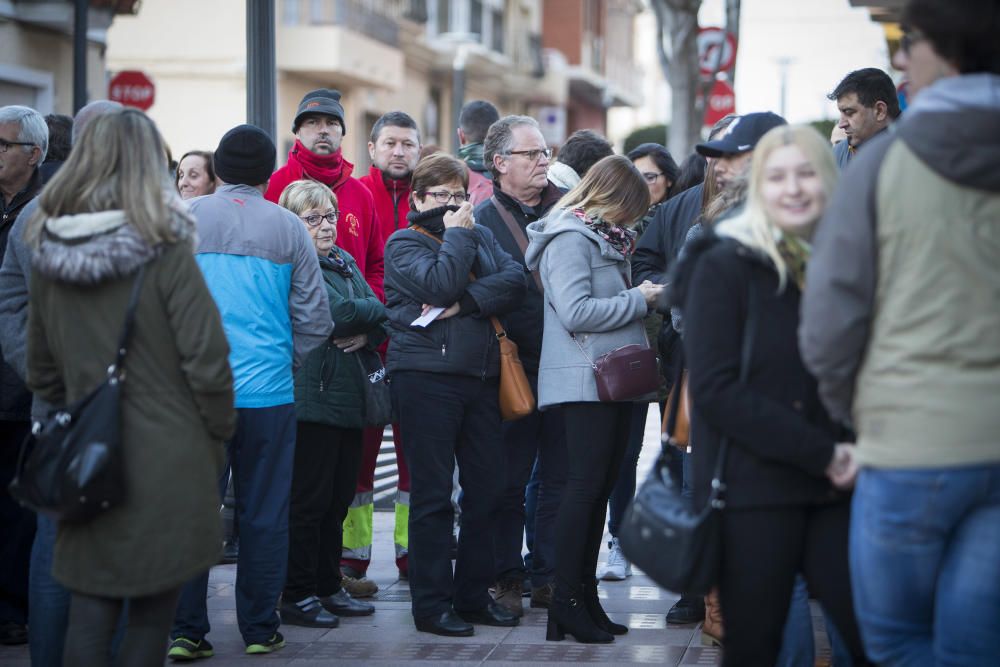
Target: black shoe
(342, 604)
(308, 613)
(447, 624)
(689, 609)
(491, 614)
(596, 611)
(230, 552)
(568, 613)
(13, 634)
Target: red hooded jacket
(392, 201)
(358, 229)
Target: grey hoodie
(900, 322)
(587, 293)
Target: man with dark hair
(473, 123)
(60, 142)
(899, 326)
(319, 130)
(394, 148)
(516, 153)
(581, 151)
(867, 102)
(260, 266)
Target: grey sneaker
(617, 568)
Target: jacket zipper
(322, 371)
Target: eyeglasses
(534, 153)
(443, 196)
(317, 220)
(909, 39)
(651, 177)
(5, 145)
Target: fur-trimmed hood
(91, 248)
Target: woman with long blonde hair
(751, 397)
(108, 223)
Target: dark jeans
(530, 515)
(449, 417)
(48, 600)
(763, 551)
(596, 435)
(541, 436)
(261, 453)
(93, 622)
(327, 459)
(18, 529)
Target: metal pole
(261, 79)
(457, 92)
(80, 10)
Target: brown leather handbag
(516, 398)
(676, 427)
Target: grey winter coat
(587, 293)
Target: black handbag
(71, 466)
(378, 401)
(677, 547)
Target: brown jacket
(177, 406)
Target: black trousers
(541, 436)
(324, 473)
(596, 438)
(763, 549)
(94, 620)
(449, 417)
(17, 529)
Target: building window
(496, 41)
(476, 17)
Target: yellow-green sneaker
(184, 649)
(273, 644)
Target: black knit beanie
(245, 156)
(321, 101)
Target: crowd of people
(830, 312)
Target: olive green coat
(328, 387)
(177, 397)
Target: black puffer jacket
(420, 270)
(781, 437)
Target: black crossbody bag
(678, 547)
(71, 466)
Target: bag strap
(497, 327)
(717, 499)
(519, 238)
(118, 367)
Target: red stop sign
(721, 102)
(133, 89)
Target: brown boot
(541, 596)
(711, 629)
(508, 595)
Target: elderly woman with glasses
(329, 413)
(445, 277)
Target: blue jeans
(48, 600)
(797, 644)
(925, 565)
(261, 454)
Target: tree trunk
(677, 32)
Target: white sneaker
(617, 568)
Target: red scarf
(331, 170)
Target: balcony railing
(378, 19)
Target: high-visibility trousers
(358, 526)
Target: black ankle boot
(596, 611)
(568, 613)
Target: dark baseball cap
(742, 135)
(321, 101)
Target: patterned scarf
(336, 262)
(621, 239)
(795, 252)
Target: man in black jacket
(24, 140)
(516, 153)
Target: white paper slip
(424, 320)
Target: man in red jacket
(319, 129)
(394, 148)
